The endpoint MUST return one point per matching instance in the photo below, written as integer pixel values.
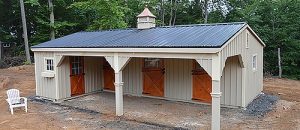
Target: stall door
(202, 84)
(77, 75)
(153, 77)
(109, 76)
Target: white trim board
(137, 50)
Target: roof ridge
(117, 29)
(187, 25)
(207, 24)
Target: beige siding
(64, 79)
(178, 79)
(133, 78)
(45, 87)
(93, 69)
(254, 79)
(231, 83)
(206, 64)
(235, 47)
(93, 78)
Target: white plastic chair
(14, 100)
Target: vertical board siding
(93, 69)
(206, 64)
(45, 87)
(254, 79)
(231, 85)
(64, 87)
(178, 79)
(132, 77)
(93, 78)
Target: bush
(27, 63)
(3, 64)
(13, 61)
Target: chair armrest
(8, 101)
(25, 99)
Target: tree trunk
(52, 33)
(162, 12)
(174, 19)
(205, 10)
(171, 13)
(279, 64)
(25, 31)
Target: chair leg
(26, 108)
(11, 110)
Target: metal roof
(183, 36)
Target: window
(6, 44)
(49, 64)
(254, 62)
(152, 63)
(143, 19)
(77, 65)
(247, 40)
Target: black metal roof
(182, 36)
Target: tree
(205, 11)
(25, 31)
(277, 23)
(52, 33)
(100, 14)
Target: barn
(219, 64)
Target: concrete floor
(156, 111)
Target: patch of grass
(26, 63)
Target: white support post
(119, 93)
(118, 85)
(118, 63)
(216, 93)
(216, 106)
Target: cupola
(146, 19)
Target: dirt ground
(88, 112)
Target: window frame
(46, 64)
(77, 65)
(6, 45)
(254, 65)
(158, 63)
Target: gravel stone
(261, 105)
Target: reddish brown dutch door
(109, 76)
(77, 75)
(202, 84)
(153, 77)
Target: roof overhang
(131, 50)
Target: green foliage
(277, 23)
(27, 63)
(100, 14)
